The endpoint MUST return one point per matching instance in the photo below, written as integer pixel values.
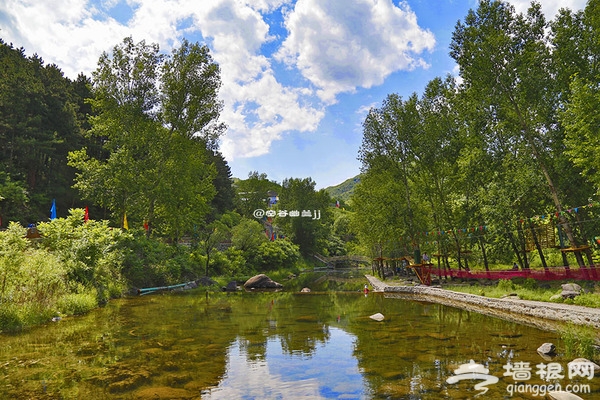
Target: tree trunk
(513, 243)
(483, 253)
(538, 246)
(521, 234)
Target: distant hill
(344, 190)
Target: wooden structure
(423, 272)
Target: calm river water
(280, 345)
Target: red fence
(552, 274)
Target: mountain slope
(344, 190)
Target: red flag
(86, 216)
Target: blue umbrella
(53, 209)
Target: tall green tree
(505, 60)
(40, 113)
(157, 115)
(252, 193)
(310, 228)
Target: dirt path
(550, 316)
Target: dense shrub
(91, 251)
(71, 269)
(276, 254)
(77, 303)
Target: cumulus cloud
(339, 45)
(68, 33)
(549, 7)
(336, 46)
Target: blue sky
(298, 76)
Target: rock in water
(377, 317)
(262, 282)
(547, 349)
(563, 396)
(592, 364)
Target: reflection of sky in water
(331, 372)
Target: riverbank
(550, 316)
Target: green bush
(579, 341)
(530, 284)
(10, 320)
(91, 251)
(277, 254)
(506, 285)
(77, 303)
(587, 300)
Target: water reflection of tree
(300, 322)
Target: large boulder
(262, 282)
(570, 290)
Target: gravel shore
(549, 316)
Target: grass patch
(579, 341)
(77, 303)
(530, 289)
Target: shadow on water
(266, 345)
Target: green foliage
(228, 263)
(91, 251)
(157, 117)
(151, 262)
(587, 300)
(77, 303)
(12, 260)
(344, 191)
(40, 115)
(247, 236)
(582, 124)
(505, 285)
(579, 341)
(13, 198)
(276, 254)
(309, 233)
(251, 193)
(74, 267)
(530, 284)
(10, 320)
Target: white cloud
(66, 33)
(339, 45)
(336, 45)
(549, 7)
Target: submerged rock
(547, 349)
(377, 317)
(595, 366)
(262, 282)
(563, 396)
